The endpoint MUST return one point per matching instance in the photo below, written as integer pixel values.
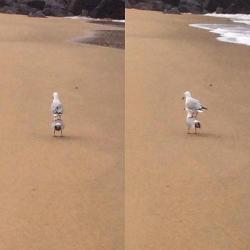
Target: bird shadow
(68, 137)
(63, 138)
(204, 135)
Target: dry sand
(60, 193)
(185, 192)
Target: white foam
(237, 32)
(238, 18)
(95, 19)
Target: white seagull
(192, 105)
(56, 106)
(192, 122)
(57, 124)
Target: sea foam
(95, 19)
(237, 32)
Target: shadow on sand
(204, 135)
(105, 38)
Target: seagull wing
(57, 108)
(193, 104)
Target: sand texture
(60, 193)
(185, 192)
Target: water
(95, 19)
(237, 32)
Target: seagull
(192, 122)
(57, 124)
(192, 105)
(56, 106)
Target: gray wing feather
(57, 108)
(194, 104)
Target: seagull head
(186, 94)
(55, 95)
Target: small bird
(57, 124)
(56, 106)
(192, 122)
(192, 105)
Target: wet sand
(106, 34)
(105, 38)
(185, 191)
(60, 193)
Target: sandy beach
(60, 193)
(185, 192)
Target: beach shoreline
(60, 193)
(185, 191)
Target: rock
(54, 11)
(173, 10)
(8, 10)
(127, 4)
(84, 13)
(204, 12)
(219, 10)
(96, 8)
(37, 4)
(24, 9)
(158, 5)
(167, 7)
(114, 9)
(37, 14)
(99, 8)
(144, 6)
(17, 9)
(227, 6)
(2, 3)
(192, 6)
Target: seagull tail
(203, 108)
(197, 124)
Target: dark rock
(219, 10)
(144, 6)
(158, 5)
(54, 11)
(8, 10)
(99, 8)
(173, 10)
(228, 6)
(84, 13)
(204, 12)
(37, 4)
(2, 3)
(37, 14)
(95, 8)
(192, 6)
(56, 4)
(114, 9)
(24, 9)
(168, 7)
(127, 4)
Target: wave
(238, 32)
(96, 19)
(237, 18)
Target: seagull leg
(195, 130)
(54, 132)
(61, 132)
